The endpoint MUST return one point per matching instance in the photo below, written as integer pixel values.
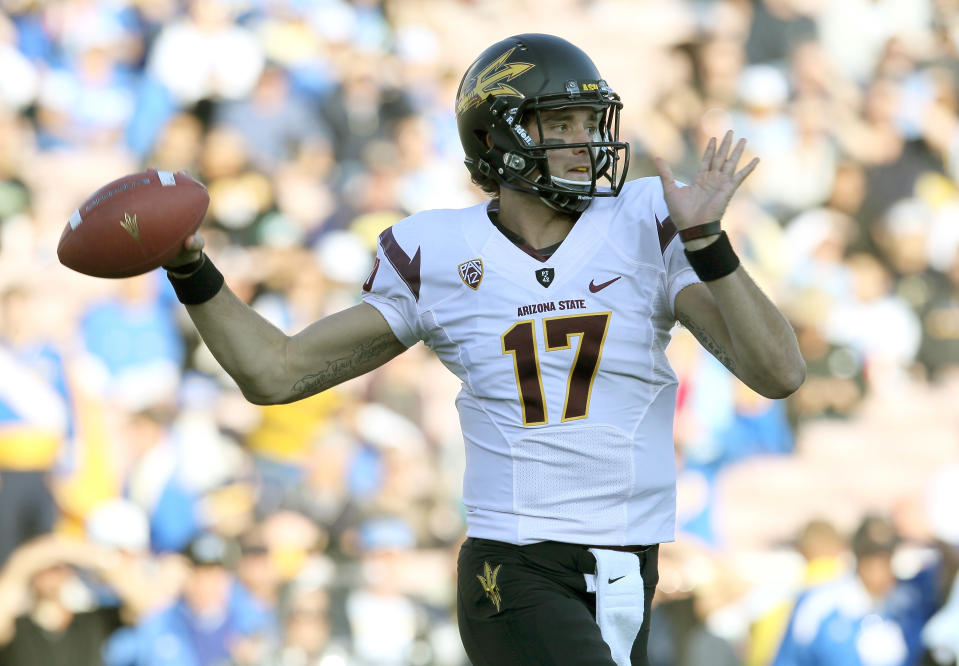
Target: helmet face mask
(500, 112)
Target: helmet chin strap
(574, 185)
(573, 204)
(567, 203)
(583, 186)
(566, 193)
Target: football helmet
(506, 90)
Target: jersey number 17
(520, 341)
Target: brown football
(133, 225)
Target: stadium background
(317, 124)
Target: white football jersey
(567, 399)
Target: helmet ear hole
(484, 138)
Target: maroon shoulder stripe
(368, 285)
(408, 269)
(667, 230)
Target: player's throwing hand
(705, 199)
(191, 252)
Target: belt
(626, 549)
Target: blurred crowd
(149, 516)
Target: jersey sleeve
(393, 289)
(679, 274)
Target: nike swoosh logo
(613, 580)
(593, 287)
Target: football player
(553, 304)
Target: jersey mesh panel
(548, 471)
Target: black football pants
(528, 605)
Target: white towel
(618, 585)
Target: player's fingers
(190, 252)
(733, 161)
(708, 154)
(722, 152)
(194, 243)
(745, 171)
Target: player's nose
(582, 135)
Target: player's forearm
(271, 367)
(337, 348)
(763, 344)
(247, 346)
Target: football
(133, 225)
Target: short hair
(819, 538)
(875, 535)
(486, 183)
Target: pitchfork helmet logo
(491, 81)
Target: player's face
(575, 124)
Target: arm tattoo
(362, 358)
(709, 343)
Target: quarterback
(553, 304)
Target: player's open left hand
(705, 199)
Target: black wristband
(199, 286)
(714, 261)
(700, 231)
(186, 270)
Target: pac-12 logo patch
(471, 272)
